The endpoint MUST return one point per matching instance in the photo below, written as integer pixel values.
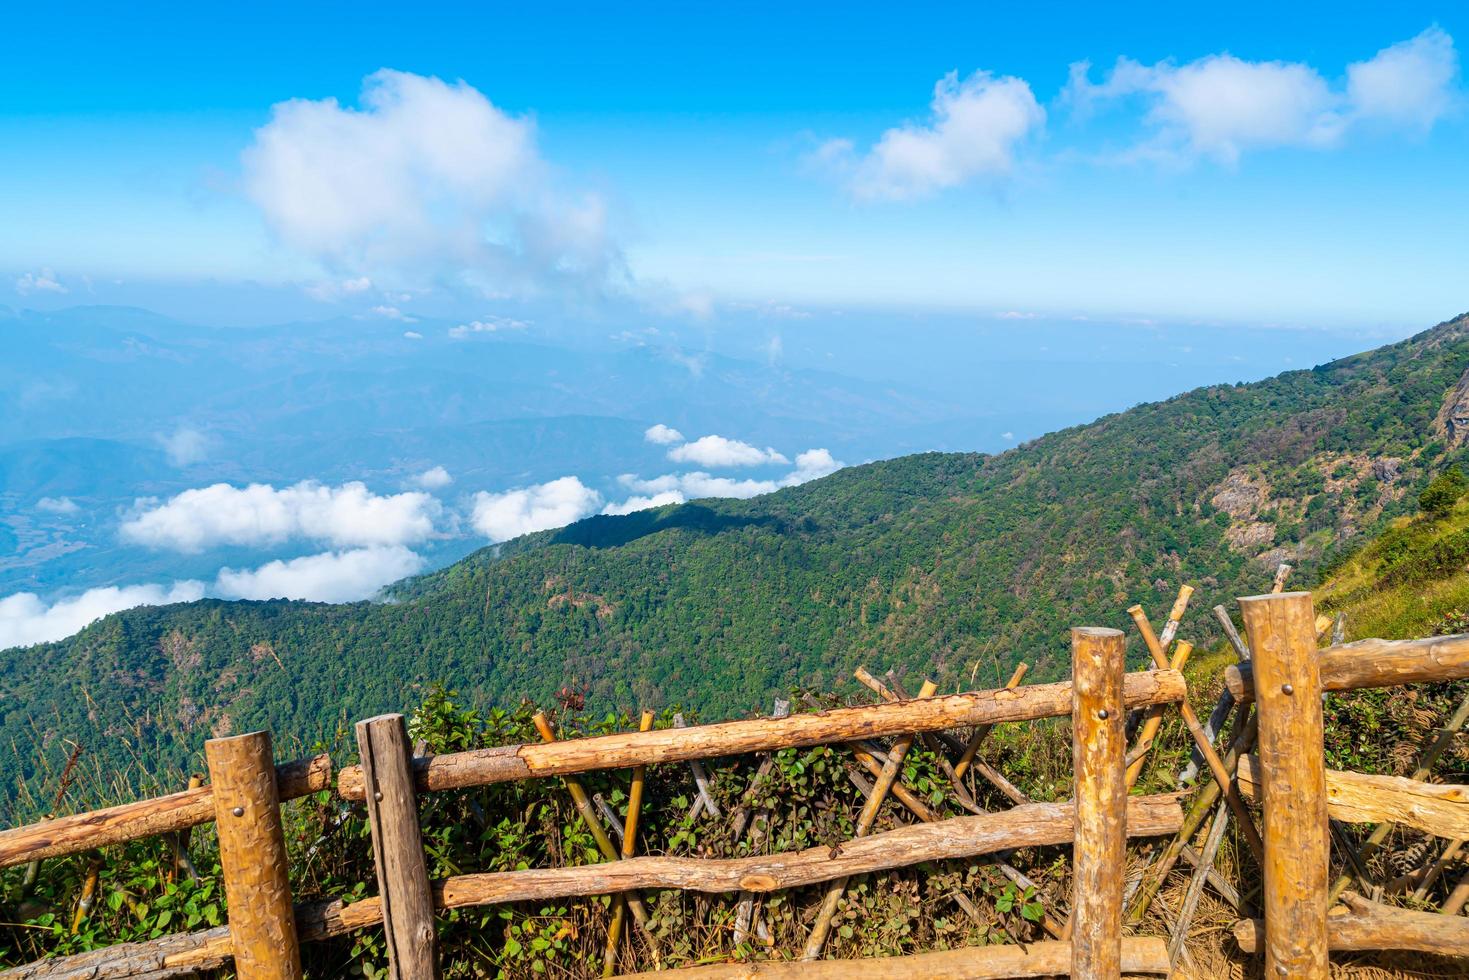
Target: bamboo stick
(767, 762)
(1436, 869)
(930, 739)
(1142, 955)
(1375, 663)
(1153, 720)
(1100, 851)
(1196, 883)
(1170, 629)
(629, 848)
(252, 855)
(701, 777)
(822, 927)
(1454, 904)
(144, 818)
(88, 897)
(1293, 782)
(1216, 764)
(479, 767)
(1426, 761)
(982, 732)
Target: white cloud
(812, 465)
(975, 128)
(331, 289)
(490, 324)
(335, 576)
(1408, 84)
(408, 184)
(718, 451)
(1221, 106)
(346, 516)
(502, 516)
(632, 504)
(434, 478)
(185, 447)
(412, 335)
(44, 281)
(677, 487)
(1008, 436)
(25, 619)
(393, 313)
(57, 505)
(662, 435)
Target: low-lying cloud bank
(335, 576)
(25, 619)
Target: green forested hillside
(957, 565)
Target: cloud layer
(345, 517)
(407, 185)
(25, 619)
(335, 576)
(502, 516)
(717, 451)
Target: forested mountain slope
(956, 565)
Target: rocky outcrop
(1239, 495)
(1388, 468)
(1452, 423)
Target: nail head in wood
(238, 811)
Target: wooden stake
(1282, 635)
(983, 731)
(1153, 720)
(1196, 883)
(397, 848)
(1098, 856)
(822, 927)
(252, 855)
(629, 848)
(1191, 721)
(88, 897)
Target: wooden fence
(1274, 693)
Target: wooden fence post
(1097, 750)
(1282, 634)
(397, 848)
(252, 853)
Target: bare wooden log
(252, 855)
(1230, 633)
(1170, 630)
(480, 767)
(629, 848)
(1036, 825)
(1099, 853)
(1430, 755)
(1292, 782)
(1205, 746)
(1142, 955)
(1196, 883)
(1153, 720)
(145, 818)
(982, 732)
(1365, 925)
(1454, 904)
(1436, 869)
(397, 848)
(884, 782)
(1434, 808)
(1375, 663)
(1282, 572)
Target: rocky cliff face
(1452, 423)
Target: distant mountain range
(950, 565)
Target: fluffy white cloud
(44, 281)
(678, 487)
(974, 130)
(335, 576)
(406, 186)
(25, 619)
(502, 516)
(662, 435)
(1221, 106)
(412, 335)
(57, 505)
(490, 324)
(1408, 84)
(185, 446)
(434, 478)
(346, 516)
(718, 451)
(635, 503)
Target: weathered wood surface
(1365, 925)
(397, 848)
(621, 751)
(1099, 853)
(1144, 955)
(1282, 632)
(252, 857)
(1375, 663)
(629, 848)
(1153, 720)
(982, 732)
(1354, 797)
(1036, 825)
(145, 818)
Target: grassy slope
(950, 564)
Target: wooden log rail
(145, 818)
(1374, 663)
(480, 767)
(1033, 825)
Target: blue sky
(702, 158)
